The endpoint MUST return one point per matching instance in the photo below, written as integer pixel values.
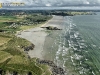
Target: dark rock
(15, 73)
(55, 69)
(31, 47)
(1, 71)
(51, 28)
(29, 73)
(1, 30)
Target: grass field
(4, 40)
(9, 19)
(19, 63)
(13, 57)
(5, 22)
(23, 65)
(11, 24)
(4, 56)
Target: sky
(53, 4)
(56, 3)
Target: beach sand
(38, 35)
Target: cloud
(55, 2)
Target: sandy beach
(37, 36)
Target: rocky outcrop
(51, 28)
(1, 71)
(56, 70)
(1, 30)
(27, 48)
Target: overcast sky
(56, 2)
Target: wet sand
(38, 35)
(51, 43)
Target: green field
(13, 58)
(7, 18)
(11, 24)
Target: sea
(76, 48)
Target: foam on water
(74, 43)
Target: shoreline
(38, 35)
(33, 35)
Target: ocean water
(77, 47)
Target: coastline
(38, 35)
(50, 45)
